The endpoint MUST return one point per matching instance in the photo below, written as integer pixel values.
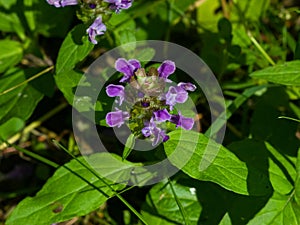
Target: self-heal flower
(118, 5)
(184, 122)
(151, 130)
(97, 28)
(116, 90)
(127, 68)
(62, 3)
(162, 115)
(116, 118)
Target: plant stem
(28, 80)
(262, 51)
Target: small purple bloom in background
(118, 5)
(162, 115)
(97, 28)
(116, 90)
(62, 3)
(184, 122)
(166, 68)
(127, 68)
(151, 130)
(116, 118)
(149, 103)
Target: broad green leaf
(286, 74)
(161, 206)
(20, 102)
(66, 195)
(11, 53)
(224, 168)
(11, 127)
(256, 155)
(297, 182)
(74, 49)
(206, 16)
(280, 210)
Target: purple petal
(187, 86)
(184, 122)
(116, 118)
(176, 95)
(135, 63)
(126, 68)
(97, 28)
(56, 3)
(116, 90)
(166, 68)
(68, 2)
(118, 5)
(162, 115)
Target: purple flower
(127, 68)
(175, 95)
(116, 118)
(166, 68)
(152, 130)
(184, 122)
(162, 115)
(187, 86)
(97, 28)
(116, 90)
(62, 3)
(118, 5)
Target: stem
(34, 125)
(288, 118)
(224, 8)
(262, 51)
(28, 80)
(181, 208)
(107, 184)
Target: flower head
(149, 103)
(62, 3)
(118, 5)
(97, 28)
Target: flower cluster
(151, 103)
(94, 10)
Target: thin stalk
(107, 184)
(181, 208)
(28, 80)
(262, 51)
(288, 118)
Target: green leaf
(66, 195)
(161, 206)
(224, 168)
(256, 155)
(225, 220)
(280, 210)
(20, 102)
(74, 49)
(11, 127)
(128, 146)
(297, 182)
(286, 74)
(11, 53)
